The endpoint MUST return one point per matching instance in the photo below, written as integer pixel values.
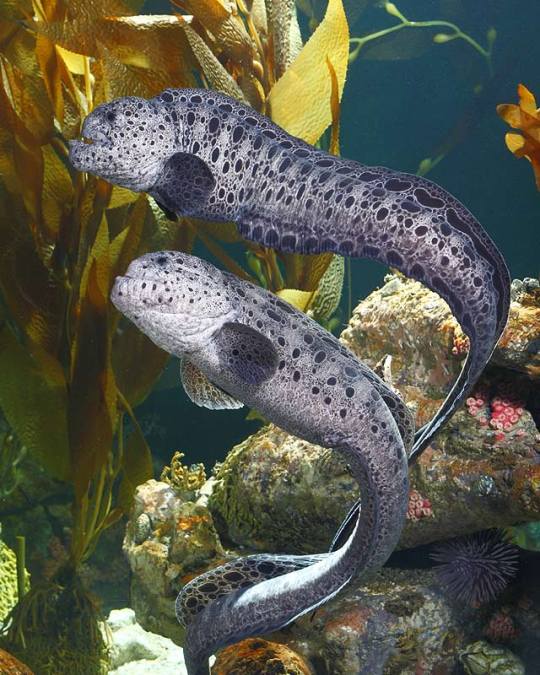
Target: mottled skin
(265, 353)
(202, 154)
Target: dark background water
(395, 112)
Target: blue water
(396, 112)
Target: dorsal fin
(231, 576)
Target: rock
(415, 326)
(9, 665)
(259, 657)
(519, 346)
(277, 493)
(168, 541)
(134, 650)
(397, 622)
(483, 658)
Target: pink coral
(478, 405)
(501, 627)
(501, 411)
(419, 507)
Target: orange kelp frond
(526, 117)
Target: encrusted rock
(9, 665)
(275, 492)
(519, 346)
(168, 541)
(483, 658)
(259, 657)
(397, 623)
(415, 326)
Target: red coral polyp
(419, 507)
(501, 411)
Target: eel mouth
(92, 134)
(82, 150)
(91, 137)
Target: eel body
(202, 154)
(241, 344)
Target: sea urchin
(476, 568)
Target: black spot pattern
(232, 576)
(296, 198)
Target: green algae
(9, 593)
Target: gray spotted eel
(239, 343)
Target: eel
(239, 343)
(200, 153)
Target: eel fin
(185, 182)
(233, 576)
(170, 215)
(203, 392)
(345, 529)
(246, 352)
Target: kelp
(67, 364)
(12, 455)
(526, 118)
(72, 369)
(408, 38)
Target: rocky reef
(169, 540)
(275, 492)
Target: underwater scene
(269, 337)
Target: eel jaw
(86, 153)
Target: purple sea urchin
(476, 568)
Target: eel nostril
(111, 116)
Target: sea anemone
(476, 568)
